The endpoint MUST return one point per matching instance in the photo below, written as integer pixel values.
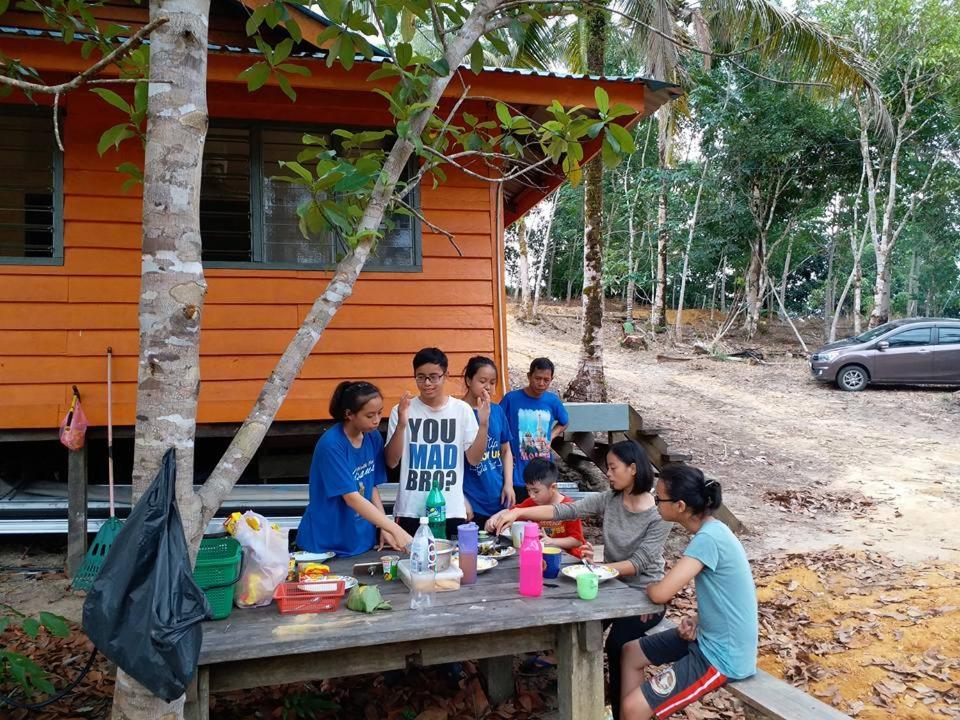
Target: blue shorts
(689, 678)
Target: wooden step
(778, 700)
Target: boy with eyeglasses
(429, 436)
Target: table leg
(197, 706)
(580, 671)
(500, 681)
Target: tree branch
(90, 71)
(436, 228)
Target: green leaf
(471, 120)
(619, 110)
(114, 136)
(293, 27)
(504, 114)
(347, 52)
(408, 26)
(623, 138)
(141, 96)
(404, 53)
(112, 98)
(4, 4)
(57, 625)
(333, 52)
(611, 158)
(254, 21)
(292, 69)
(440, 66)
(31, 626)
(328, 34)
(282, 51)
(298, 169)
(286, 87)
(389, 17)
(129, 168)
(476, 58)
(256, 76)
(387, 70)
(4, 623)
(603, 100)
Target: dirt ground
(878, 469)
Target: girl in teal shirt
(718, 645)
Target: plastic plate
(606, 572)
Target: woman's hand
(508, 498)
(688, 628)
(397, 539)
(586, 552)
(483, 408)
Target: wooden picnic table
(489, 621)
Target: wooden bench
(768, 698)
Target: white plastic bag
(265, 560)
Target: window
(30, 187)
(911, 338)
(247, 217)
(949, 336)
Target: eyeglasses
(432, 379)
(657, 500)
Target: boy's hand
(586, 552)
(506, 519)
(509, 496)
(403, 409)
(483, 408)
(688, 628)
(492, 521)
(397, 540)
(469, 507)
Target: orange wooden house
(70, 240)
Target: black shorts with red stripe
(689, 678)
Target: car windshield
(876, 332)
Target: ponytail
(687, 483)
(350, 396)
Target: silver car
(922, 351)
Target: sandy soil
(764, 429)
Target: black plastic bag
(144, 609)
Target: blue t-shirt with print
(531, 421)
(726, 601)
(339, 468)
(483, 483)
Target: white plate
(348, 581)
(606, 572)
(484, 563)
(305, 557)
(501, 553)
(317, 587)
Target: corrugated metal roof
(321, 55)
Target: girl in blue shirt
(488, 486)
(715, 646)
(345, 510)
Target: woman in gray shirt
(633, 538)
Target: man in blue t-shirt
(535, 417)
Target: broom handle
(110, 424)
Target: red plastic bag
(74, 426)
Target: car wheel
(852, 378)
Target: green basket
(217, 571)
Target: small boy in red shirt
(540, 476)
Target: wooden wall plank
(26, 289)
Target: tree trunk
(658, 315)
(829, 287)
(912, 300)
(172, 285)
(752, 284)
(723, 285)
(524, 268)
(543, 258)
(631, 279)
(858, 296)
(550, 263)
(686, 250)
(786, 269)
(588, 384)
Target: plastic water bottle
(467, 539)
(531, 561)
(423, 567)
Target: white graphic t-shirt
(435, 441)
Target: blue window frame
(250, 221)
(31, 188)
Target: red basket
(291, 598)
